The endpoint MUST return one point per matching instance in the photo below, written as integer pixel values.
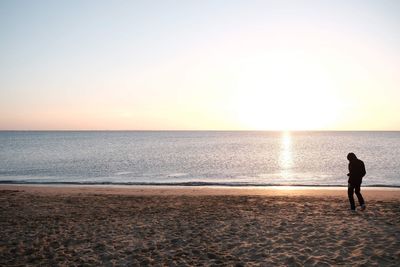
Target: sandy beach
(44, 225)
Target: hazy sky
(272, 65)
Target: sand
(196, 226)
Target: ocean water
(197, 158)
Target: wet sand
(139, 226)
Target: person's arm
(348, 181)
(363, 171)
(350, 170)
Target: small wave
(198, 183)
(122, 173)
(179, 174)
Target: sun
(285, 95)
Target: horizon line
(182, 130)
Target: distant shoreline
(270, 131)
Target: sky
(200, 65)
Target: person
(356, 173)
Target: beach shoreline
(181, 226)
(317, 191)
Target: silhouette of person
(356, 173)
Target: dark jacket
(356, 171)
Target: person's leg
(350, 193)
(359, 196)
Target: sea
(197, 158)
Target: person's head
(351, 156)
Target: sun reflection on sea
(286, 155)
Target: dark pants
(350, 192)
